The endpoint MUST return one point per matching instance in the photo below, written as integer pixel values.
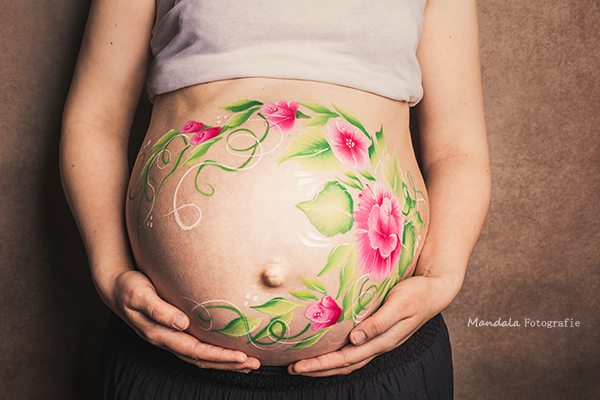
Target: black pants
(421, 368)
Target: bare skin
(97, 118)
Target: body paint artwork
(367, 191)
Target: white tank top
(363, 44)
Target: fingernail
(358, 338)
(294, 372)
(180, 322)
(299, 368)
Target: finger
(186, 345)
(245, 367)
(345, 357)
(191, 350)
(391, 312)
(145, 300)
(335, 371)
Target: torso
(308, 225)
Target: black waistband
(123, 343)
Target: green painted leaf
(408, 248)
(409, 203)
(367, 175)
(388, 171)
(337, 257)
(312, 151)
(199, 151)
(374, 156)
(309, 341)
(147, 166)
(237, 327)
(304, 295)
(381, 140)
(363, 303)
(277, 327)
(331, 210)
(241, 105)
(348, 302)
(314, 284)
(277, 306)
(390, 283)
(318, 108)
(347, 273)
(417, 221)
(307, 144)
(352, 175)
(353, 119)
(301, 115)
(238, 119)
(393, 178)
(165, 138)
(394, 277)
(385, 285)
(319, 120)
(351, 184)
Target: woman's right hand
(136, 301)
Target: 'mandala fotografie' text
(527, 323)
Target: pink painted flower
(201, 134)
(206, 134)
(192, 127)
(380, 224)
(281, 114)
(323, 314)
(349, 144)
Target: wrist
(446, 284)
(105, 276)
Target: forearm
(94, 172)
(459, 195)
(97, 118)
(453, 143)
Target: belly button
(273, 274)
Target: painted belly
(277, 228)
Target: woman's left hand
(409, 305)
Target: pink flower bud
(281, 115)
(206, 134)
(192, 127)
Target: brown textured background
(537, 258)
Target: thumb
(388, 315)
(158, 310)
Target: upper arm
(112, 64)
(451, 119)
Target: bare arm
(453, 142)
(98, 114)
(456, 170)
(108, 80)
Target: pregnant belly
(277, 228)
